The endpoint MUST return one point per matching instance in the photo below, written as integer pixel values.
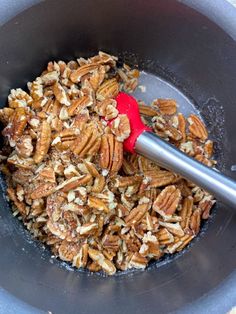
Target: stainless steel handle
(166, 155)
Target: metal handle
(154, 148)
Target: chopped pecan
(174, 228)
(173, 247)
(60, 94)
(22, 176)
(146, 164)
(88, 228)
(99, 184)
(81, 259)
(6, 114)
(43, 190)
(164, 129)
(138, 261)
(50, 78)
(68, 250)
(20, 205)
(94, 267)
(111, 242)
(73, 186)
(36, 89)
(19, 162)
(58, 229)
(100, 259)
(208, 148)
(128, 167)
(201, 158)
(97, 77)
(205, 206)
(19, 98)
(165, 237)
(107, 108)
(120, 127)
(54, 206)
(183, 187)
(185, 241)
(104, 58)
(47, 174)
(16, 126)
(24, 147)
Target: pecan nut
(167, 201)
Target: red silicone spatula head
(126, 104)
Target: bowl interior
(186, 57)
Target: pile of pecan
(72, 185)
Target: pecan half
(166, 106)
(43, 142)
(16, 126)
(197, 128)
(111, 153)
(87, 143)
(136, 214)
(174, 228)
(109, 89)
(158, 178)
(77, 74)
(182, 126)
(167, 201)
(186, 212)
(74, 182)
(120, 127)
(98, 204)
(79, 104)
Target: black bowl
(192, 48)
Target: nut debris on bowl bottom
(73, 186)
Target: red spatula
(146, 143)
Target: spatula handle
(166, 155)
